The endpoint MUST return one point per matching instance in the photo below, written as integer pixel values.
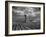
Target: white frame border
(25, 5)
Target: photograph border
(6, 18)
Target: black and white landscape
(25, 18)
